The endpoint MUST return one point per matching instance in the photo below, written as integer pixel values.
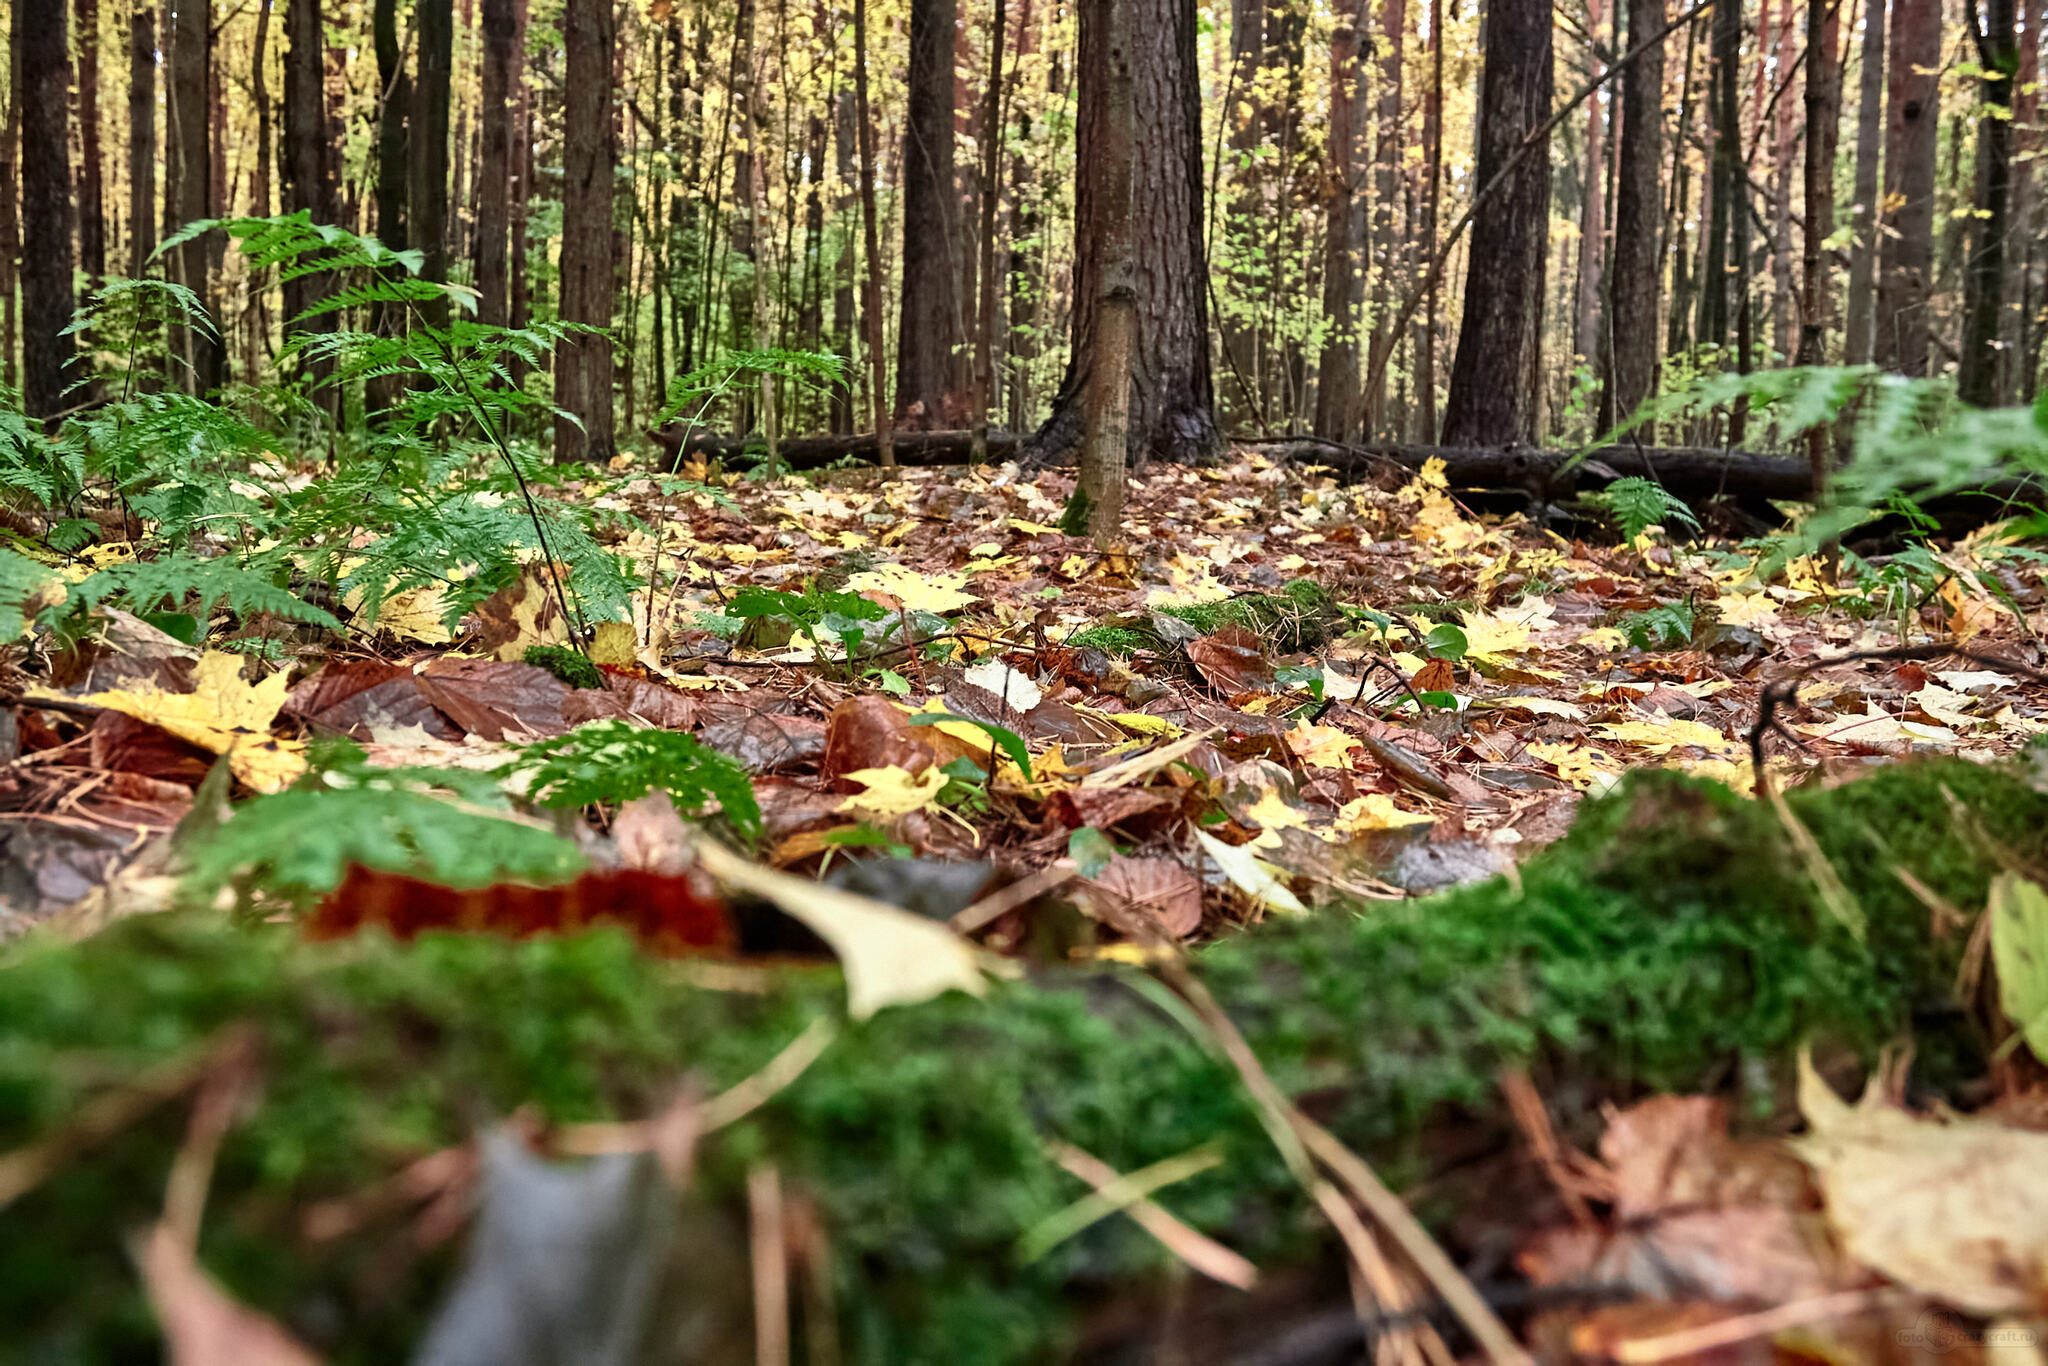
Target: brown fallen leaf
(1232, 660)
(1160, 891)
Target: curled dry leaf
(1233, 660)
(1161, 891)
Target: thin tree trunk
(311, 167)
(1022, 309)
(991, 191)
(1629, 341)
(46, 295)
(1172, 404)
(2015, 323)
(1110, 176)
(1781, 174)
(394, 93)
(10, 208)
(494, 171)
(427, 147)
(928, 329)
(1998, 52)
(1433, 150)
(191, 62)
(845, 216)
(871, 301)
(1387, 253)
(1493, 399)
(1823, 121)
(1337, 392)
(1902, 335)
(1862, 304)
(1592, 214)
(583, 364)
(518, 286)
(92, 219)
(257, 332)
(1684, 284)
(141, 139)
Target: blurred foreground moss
(1670, 942)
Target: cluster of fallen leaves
(1205, 783)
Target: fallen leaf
(222, 715)
(2019, 947)
(1250, 874)
(1376, 811)
(1161, 890)
(891, 791)
(1015, 690)
(919, 592)
(1322, 746)
(1660, 734)
(891, 957)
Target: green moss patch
(1671, 941)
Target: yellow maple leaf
(893, 791)
(1580, 767)
(1033, 528)
(1375, 811)
(222, 715)
(1323, 746)
(1271, 812)
(1660, 734)
(918, 592)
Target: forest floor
(1284, 696)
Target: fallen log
(816, 452)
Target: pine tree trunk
(1432, 201)
(1592, 217)
(92, 219)
(1629, 341)
(1110, 175)
(494, 171)
(191, 187)
(1902, 335)
(929, 325)
(871, 295)
(394, 93)
(311, 168)
(1823, 120)
(427, 147)
(583, 365)
(1172, 404)
(46, 262)
(1492, 398)
(1862, 302)
(141, 139)
(1337, 394)
(1998, 52)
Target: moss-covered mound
(1669, 940)
(1301, 616)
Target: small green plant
(1667, 626)
(569, 665)
(605, 763)
(1636, 504)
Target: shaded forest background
(1722, 188)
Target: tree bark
(871, 292)
(1984, 282)
(927, 372)
(1105, 468)
(394, 104)
(1172, 412)
(1592, 213)
(518, 287)
(1432, 200)
(92, 219)
(494, 169)
(1823, 120)
(991, 191)
(141, 139)
(1493, 392)
(191, 64)
(1902, 328)
(47, 302)
(311, 171)
(1337, 391)
(845, 213)
(1388, 248)
(427, 147)
(1862, 299)
(583, 364)
(1629, 341)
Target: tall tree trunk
(1337, 393)
(1678, 210)
(1629, 341)
(1727, 189)
(92, 214)
(745, 248)
(256, 333)
(2022, 221)
(1388, 254)
(1242, 213)
(141, 139)
(929, 326)
(1172, 404)
(191, 63)
(1784, 130)
(427, 147)
(1111, 177)
(1998, 52)
(1492, 400)
(1823, 121)
(518, 289)
(583, 364)
(1902, 334)
(844, 214)
(1432, 200)
(10, 207)
(1862, 306)
(311, 164)
(1592, 214)
(991, 192)
(394, 94)
(46, 261)
(494, 173)
(871, 298)
(1023, 296)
